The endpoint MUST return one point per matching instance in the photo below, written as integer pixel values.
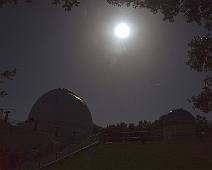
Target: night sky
(138, 78)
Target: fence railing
(55, 157)
(68, 155)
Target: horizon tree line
(202, 125)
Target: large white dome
(63, 109)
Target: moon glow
(122, 31)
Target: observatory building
(58, 123)
(62, 113)
(179, 124)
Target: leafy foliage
(6, 74)
(200, 59)
(193, 10)
(142, 125)
(66, 4)
(202, 124)
(203, 101)
(200, 54)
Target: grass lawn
(194, 155)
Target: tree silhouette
(200, 59)
(193, 10)
(9, 75)
(202, 123)
(203, 101)
(66, 4)
(200, 54)
(131, 126)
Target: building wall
(179, 132)
(22, 140)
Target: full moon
(122, 30)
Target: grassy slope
(135, 156)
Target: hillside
(135, 156)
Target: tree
(9, 75)
(200, 52)
(121, 125)
(131, 126)
(6, 74)
(200, 59)
(66, 4)
(202, 122)
(203, 101)
(144, 124)
(140, 124)
(193, 10)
